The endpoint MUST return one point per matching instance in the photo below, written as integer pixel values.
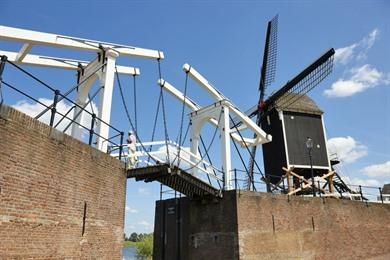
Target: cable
(208, 157)
(163, 110)
(208, 148)
(66, 93)
(1, 93)
(135, 102)
(155, 123)
(128, 115)
(243, 163)
(82, 109)
(246, 146)
(182, 117)
(204, 166)
(185, 135)
(89, 97)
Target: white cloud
(377, 170)
(360, 79)
(356, 50)
(131, 210)
(363, 182)
(33, 109)
(144, 223)
(366, 43)
(347, 149)
(345, 54)
(144, 191)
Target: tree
(145, 246)
(133, 237)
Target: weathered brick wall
(46, 179)
(252, 225)
(307, 228)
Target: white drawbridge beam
(262, 136)
(56, 40)
(213, 91)
(203, 82)
(107, 54)
(218, 114)
(59, 63)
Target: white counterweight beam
(262, 137)
(55, 40)
(178, 94)
(61, 63)
(218, 96)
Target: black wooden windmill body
(290, 116)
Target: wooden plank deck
(175, 178)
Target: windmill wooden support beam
(307, 183)
(277, 186)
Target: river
(129, 253)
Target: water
(129, 253)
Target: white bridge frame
(107, 53)
(222, 109)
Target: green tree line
(135, 237)
(143, 242)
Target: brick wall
(252, 225)
(46, 180)
(278, 227)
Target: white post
(107, 80)
(195, 133)
(81, 99)
(225, 147)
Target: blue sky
(224, 41)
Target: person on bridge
(131, 149)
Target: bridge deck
(175, 178)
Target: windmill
(294, 90)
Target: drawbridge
(183, 168)
(176, 179)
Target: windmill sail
(267, 76)
(268, 68)
(301, 84)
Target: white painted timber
(107, 80)
(178, 94)
(23, 51)
(203, 82)
(61, 63)
(240, 116)
(56, 40)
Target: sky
(224, 41)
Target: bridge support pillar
(217, 111)
(88, 76)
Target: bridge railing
(59, 120)
(157, 151)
